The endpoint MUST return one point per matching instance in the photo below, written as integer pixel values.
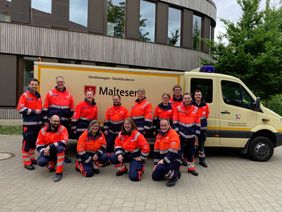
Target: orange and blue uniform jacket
(203, 111)
(28, 103)
(53, 138)
(89, 144)
(167, 147)
(84, 113)
(186, 121)
(175, 102)
(114, 118)
(132, 145)
(142, 114)
(59, 103)
(162, 112)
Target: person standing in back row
(177, 97)
(114, 118)
(187, 123)
(142, 112)
(85, 112)
(59, 101)
(30, 106)
(203, 111)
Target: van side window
(234, 94)
(205, 85)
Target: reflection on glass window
(174, 29)
(116, 18)
(42, 5)
(197, 25)
(147, 21)
(79, 11)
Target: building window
(116, 18)
(28, 70)
(147, 21)
(42, 5)
(174, 29)
(197, 25)
(79, 12)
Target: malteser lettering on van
(115, 91)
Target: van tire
(261, 149)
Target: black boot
(58, 177)
(193, 172)
(202, 162)
(171, 182)
(67, 159)
(29, 167)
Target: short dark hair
(176, 86)
(187, 94)
(166, 94)
(33, 79)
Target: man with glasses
(51, 144)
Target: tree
(116, 17)
(174, 37)
(254, 48)
(144, 36)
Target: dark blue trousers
(169, 169)
(136, 168)
(87, 169)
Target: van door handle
(225, 112)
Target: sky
(230, 10)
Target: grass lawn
(11, 130)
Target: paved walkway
(231, 183)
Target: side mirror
(257, 104)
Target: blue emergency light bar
(207, 69)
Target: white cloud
(230, 10)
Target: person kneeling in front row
(130, 146)
(51, 144)
(91, 147)
(167, 155)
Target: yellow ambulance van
(237, 118)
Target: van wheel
(261, 149)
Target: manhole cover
(5, 155)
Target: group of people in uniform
(179, 124)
